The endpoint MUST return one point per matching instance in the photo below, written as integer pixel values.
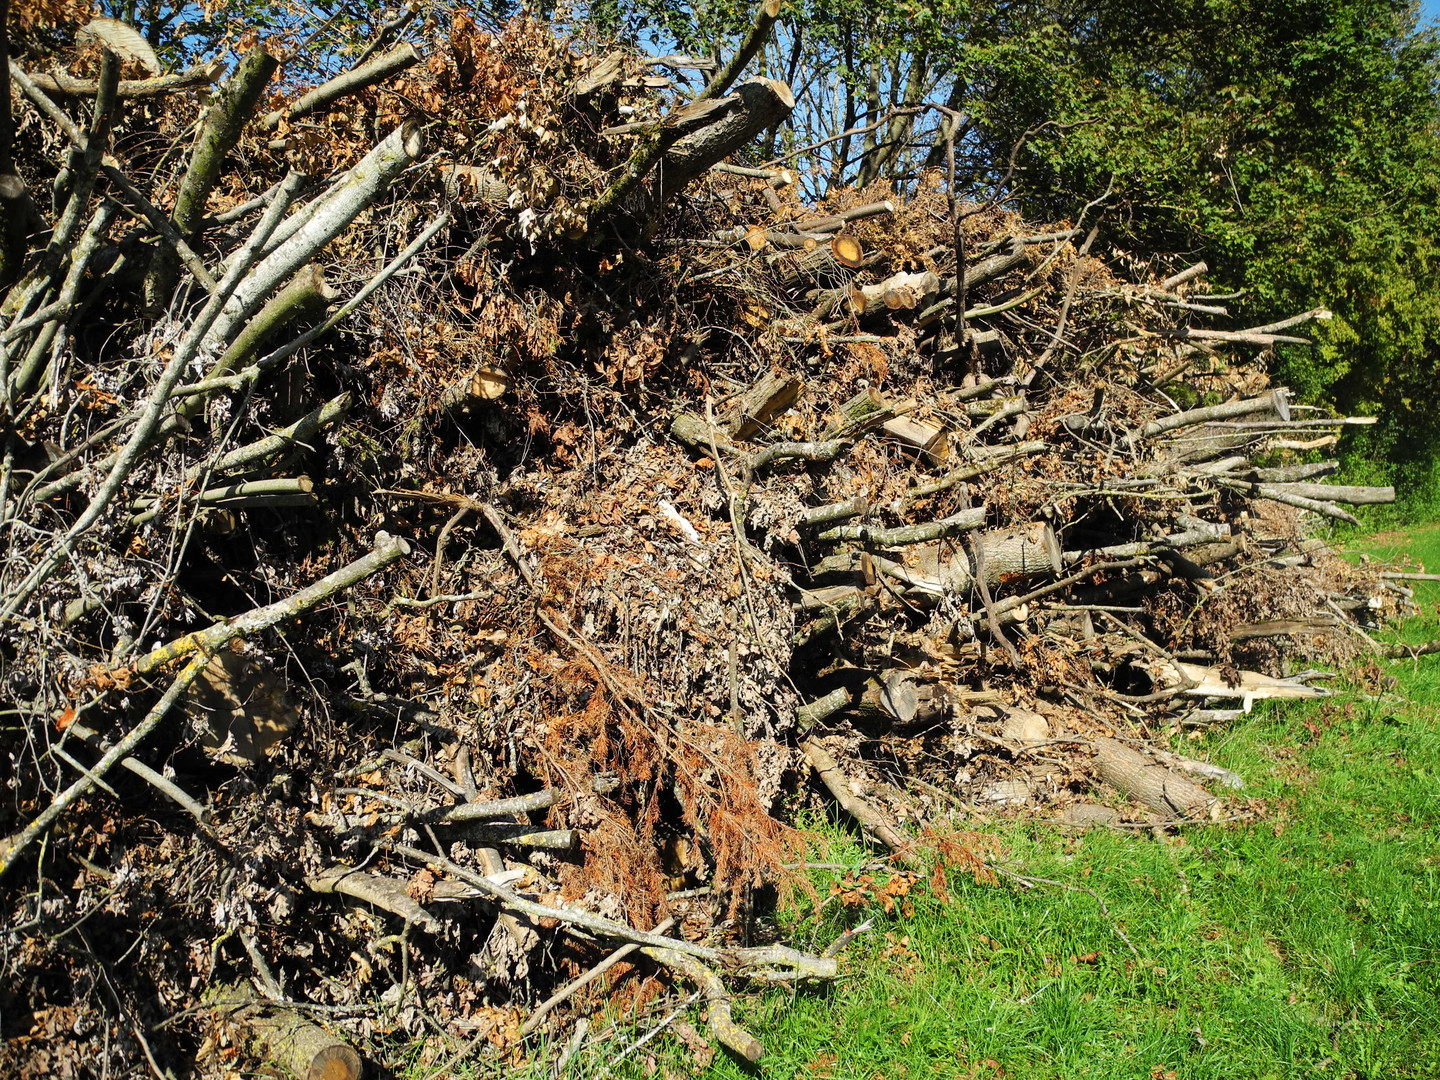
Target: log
(765, 16)
(1289, 474)
(975, 275)
(695, 432)
(899, 292)
(755, 106)
(836, 222)
(1150, 783)
(304, 1050)
(1274, 401)
(838, 784)
(931, 440)
(824, 262)
(747, 415)
(224, 121)
(307, 293)
(866, 410)
(320, 222)
(827, 515)
(893, 697)
(1279, 494)
(812, 713)
(353, 81)
(57, 82)
(1020, 553)
(382, 892)
(1342, 493)
(953, 525)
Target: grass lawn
(1307, 944)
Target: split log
(893, 697)
(1150, 783)
(1206, 682)
(931, 440)
(1284, 627)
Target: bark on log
(824, 262)
(755, 106)
(695, 432)
(382, 892)
(1152, 784)
(1279, 494)
(866, 410)
(304, 1050)
(899, 292)
(752, 411)
(838, 784)
(1290, 474)
(350, 82)
(224, 121)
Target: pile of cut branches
(455, 516)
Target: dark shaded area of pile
(645, 483)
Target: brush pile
(456, 516)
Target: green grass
(1306, 944)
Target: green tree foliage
(1291, 144)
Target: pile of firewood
(471, 512)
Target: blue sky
(1429, 10)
